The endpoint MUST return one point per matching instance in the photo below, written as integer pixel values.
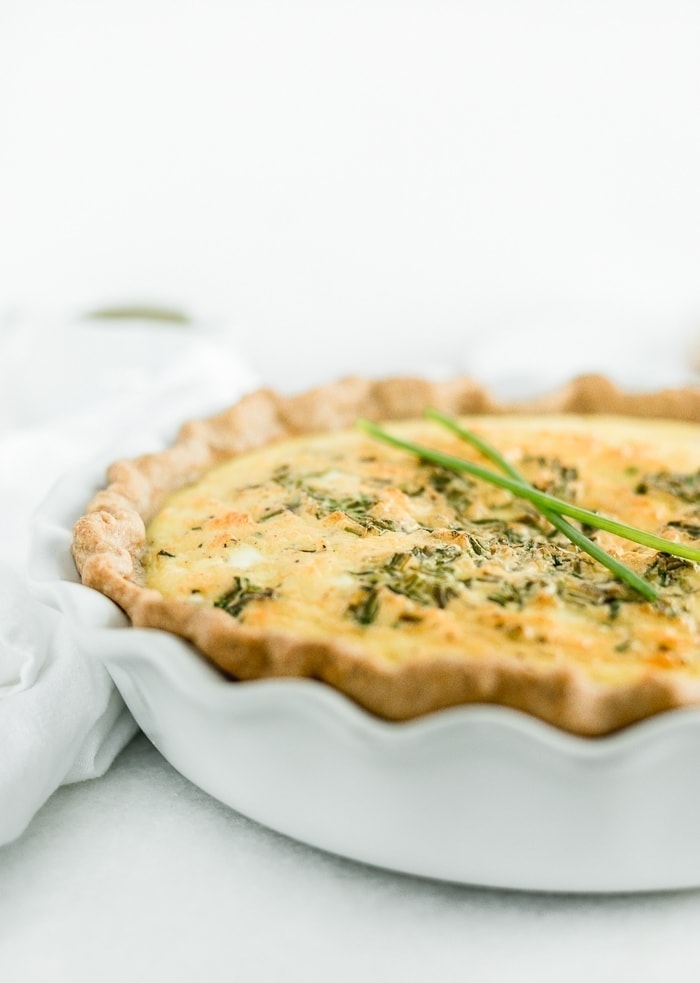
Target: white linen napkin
(61, 718)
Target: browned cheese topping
(338, 536)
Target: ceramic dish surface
(478, 795)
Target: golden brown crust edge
(109, 538)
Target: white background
(358, 184)
(504, 188)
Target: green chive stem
(523, 490)
(620, 570)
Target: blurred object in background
(536, 350)
(53, 368)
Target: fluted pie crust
(503, 656)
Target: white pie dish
(480, 795)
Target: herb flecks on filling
(669, 570)
(551, 475)
(416, 557)
(685, 486)
(243, 591)
(356, 508)
(423, 575)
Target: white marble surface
(509, 189)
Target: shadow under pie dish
(283, 541)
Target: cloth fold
(61, 717)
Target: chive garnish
(525, 491)
(578, 538)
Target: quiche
(283, 540)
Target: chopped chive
(620, 570)
(523, 490)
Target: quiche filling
(336, 536)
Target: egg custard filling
(411, 587)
